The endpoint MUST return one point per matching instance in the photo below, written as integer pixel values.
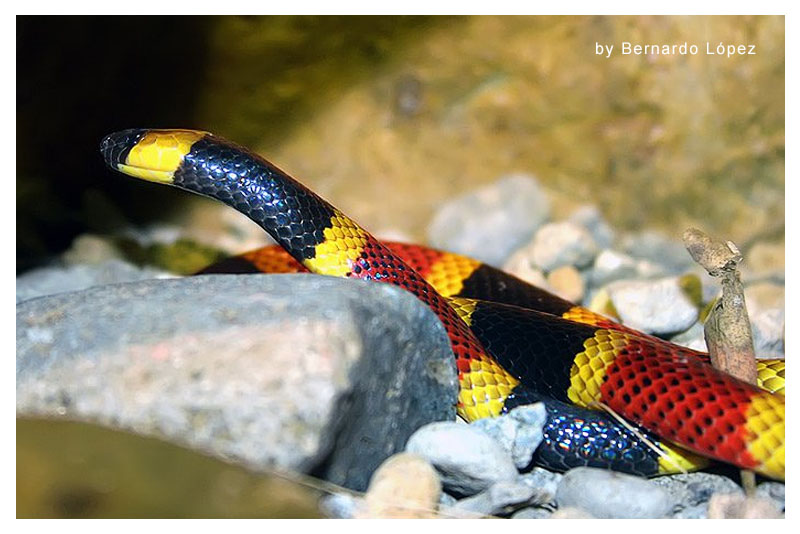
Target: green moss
(705, 311)
(184, 256)
(692, 287)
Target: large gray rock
(489, 223)
(61, 279)
(303, 372)
(468, 460)
(606, 494)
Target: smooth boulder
(303, 372)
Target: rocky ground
(352, 383)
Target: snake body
(506, 355)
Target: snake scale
(518, 346)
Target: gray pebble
(567, 282)
(648, 270)
(543, 480)
(589, 217)
(340, 506)
(668, 253)
(561, 243)
(491, 222)
(764, 295)
(501, 499)
(606, 494)
(653, 306)
(693, 338)
(571, 512)
(445, 499)
(774, 492)
(692, 491)
(610, 265)
(468, 460)
(768, 326)
(533, 512)
(519, 265)
(519, 431)
(91, 249)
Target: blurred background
(415, 109)
(388, 118)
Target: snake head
(152, 155)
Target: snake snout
(115, 147)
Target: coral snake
(513, 344)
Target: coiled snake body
(548, 351)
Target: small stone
(543, 480)
(491, 222)
(567, 283)
(519, 432)
(658, 307)
(692, 491)
(468, 460)
(561, 243)
(405, 486)
(214, 225)
(533, 512)
(91, 249)
(711, 289)
(519, 264)
(668, 253)
(571, 512)
(447, 500)
(768, 327)
(610, 265)
(647, 269)
(341, 506)
(599, 301)
(764, 295)
(725, 506)
(607, 494)
(501, 498)
(693, 338)
(775, 492)
(164, 234)
(699, 511)
(393, 234)
(589, 217)
(765, 259)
